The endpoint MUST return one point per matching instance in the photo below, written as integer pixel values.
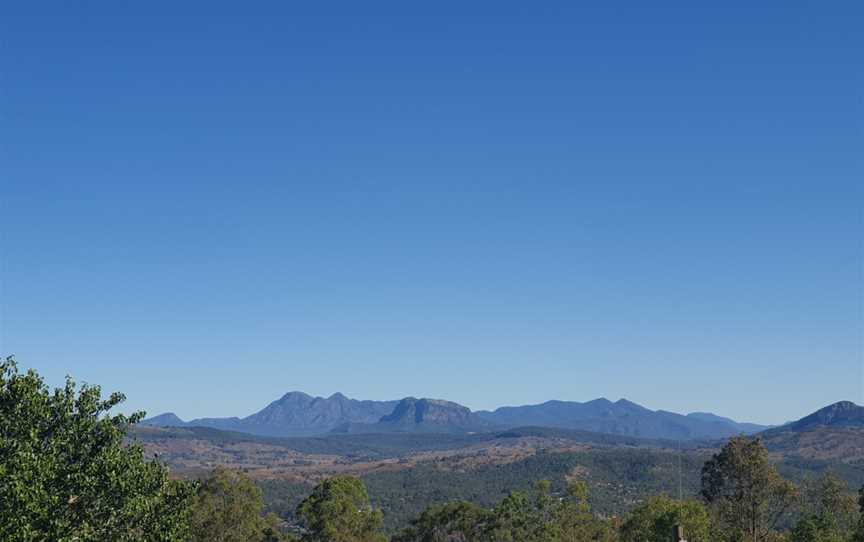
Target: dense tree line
(618, 477)
(66, 474)
(743, 499)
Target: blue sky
(498, 203)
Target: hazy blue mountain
(414, 415)
(227, 424)
(743, 427)
(622, 417)
(843, 414)
(559, 413)
(168, 419)
(293, 414)
(299, 414)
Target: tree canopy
(229, 508)
(65, 473)
(654, 520)
(829, 513)
(745, 492)
(338, 510)
(459, 521)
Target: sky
(205, 205)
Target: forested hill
(835, 432)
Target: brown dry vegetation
(190, 456)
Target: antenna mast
(680, 475)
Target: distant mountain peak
(625, 403)
(167, 419)
(295, 395)
(297, 414)
(423, 415)
(427, 411)
(840, 414)
(832, 432)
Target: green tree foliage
(66, 475)
(619, 477)
(574, 522)
(829, 511)
(519, 517)
(338, 510)
(459, 521)
(859, 530)
(654, 520)
(744, 491)
(272, 530)
(228, 508)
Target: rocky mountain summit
(840, 414)
(412, 415)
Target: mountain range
(622, 417)
(299, 414)
(294, 414)
(425, 451)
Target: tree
(859, 530)
(272, 530)
(745, 492)
(654, 520)
(829, 512)
(65, 473)
(806, 530)
(459, 521)
(521, 518)
(574, 522)
(228, 508)
(338, 510)
(514, 519)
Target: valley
(409, 470)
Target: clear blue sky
(205, 206)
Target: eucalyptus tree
(67, 475)
(743, 490)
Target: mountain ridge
(622, 417)
(296, 413)
(424, 415)
(832, 432)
